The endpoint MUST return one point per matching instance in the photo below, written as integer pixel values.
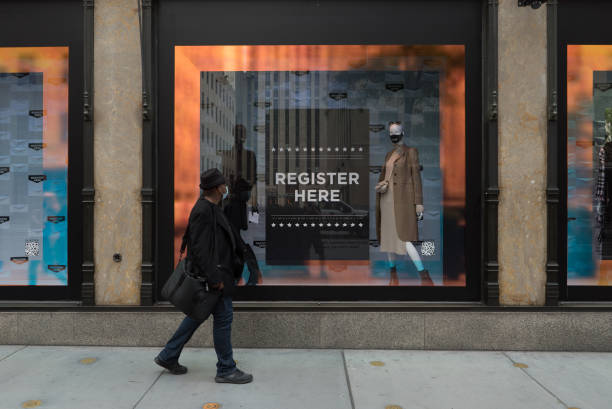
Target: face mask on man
(226, 193)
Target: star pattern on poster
(298, 149)
(334, 224)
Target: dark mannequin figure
(603, 196)
(241, 167)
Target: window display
(589, 105)
(33, 166)
(346, 163)
(589, 102)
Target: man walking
(208, 229)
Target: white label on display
(35, 185)
(19, 148)
(20, 168)
(35, 232)
(19, 208)
(35, 124)
(5, 116)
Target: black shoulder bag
(188, 292)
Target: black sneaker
(174, 369)
(237, 377)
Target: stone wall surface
(117, 151)
(430, 330)
(522, 154)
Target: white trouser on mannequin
(412, 253)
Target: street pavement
(55, 377)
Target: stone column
(117, 152)
(522, 154)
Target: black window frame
(69, 23)
(161, 34)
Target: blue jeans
(223, 315)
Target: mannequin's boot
(426, 280)
(393, 279)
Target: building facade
(416, 174)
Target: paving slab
(442, 380)
(580, 380)
(73, 377)
(8, 350)
(117, 378)
(292, 379)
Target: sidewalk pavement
(116, 378)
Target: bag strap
(214, 241)
(184, 242)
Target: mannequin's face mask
(396, 138)
(396, 132)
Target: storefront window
(589, 156)
(33, 166)
(346, 163)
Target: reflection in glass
(33, 166)
(589, 138)
(302, 134)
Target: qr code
(428, 248)
(32, 248)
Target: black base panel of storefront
(351, 293)
(37, 23)
(294, 22)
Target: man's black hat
(211, 178)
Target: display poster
(317, 185)
(33, 166)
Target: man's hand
(218, 286)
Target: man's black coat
(227, 262)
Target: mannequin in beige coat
(399, 204)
